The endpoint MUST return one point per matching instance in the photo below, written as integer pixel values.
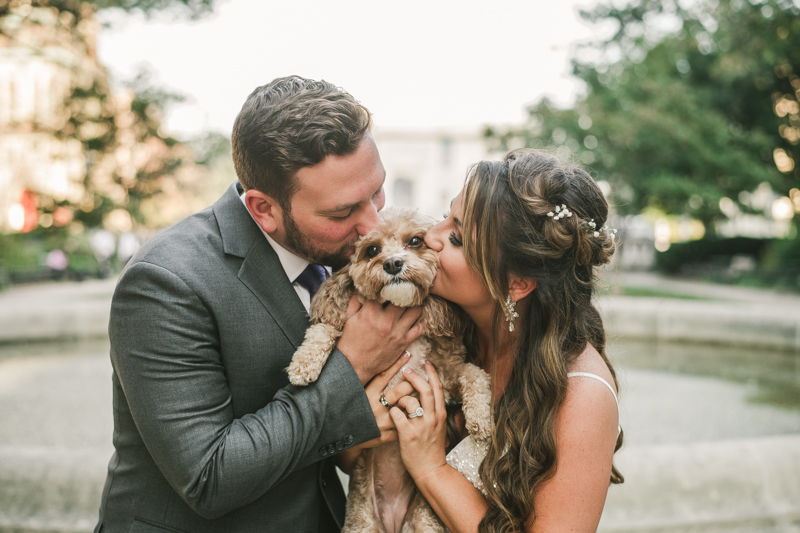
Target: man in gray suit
(209, 435)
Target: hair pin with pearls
(596, 232)
(561, 212)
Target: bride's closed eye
(453, 238)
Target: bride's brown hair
(506, 206)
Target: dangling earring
(511, 315)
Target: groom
(209, 435)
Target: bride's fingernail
(406, 370)
(406, 354)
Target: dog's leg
(310, 357)
(421, 518)
(476, 398)
(361, 512)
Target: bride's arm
(586, 434)
(454, 499)
(422, 446)
(572, 500)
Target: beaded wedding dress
(466, 457)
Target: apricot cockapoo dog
(393, 264)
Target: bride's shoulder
(591, 362)
(590, 405)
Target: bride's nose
(433, 239)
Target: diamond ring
(384, 402)
(418, 412)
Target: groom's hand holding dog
(375, 334)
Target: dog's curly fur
(392, 264)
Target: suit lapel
(261, 270)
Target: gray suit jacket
(209, 435)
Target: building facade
(427, 169)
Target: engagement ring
(384, 402)
(418, 412)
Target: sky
(417, 65)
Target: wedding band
(418, 412)
(384, 402)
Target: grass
(626, 290)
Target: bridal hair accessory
(418, 412)
(511, 315)
(610, 231)
(561, 212)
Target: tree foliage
(679, 117)
(192, 9)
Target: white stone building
(427, 169)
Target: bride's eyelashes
(453, 238)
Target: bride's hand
(374, 389)
(422, 438)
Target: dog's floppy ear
(330, 302)
(441, 318)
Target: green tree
(129, 157)
(123, 170)
(677, 120)
(193, 9)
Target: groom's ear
(265, 210)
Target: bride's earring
(511, 315)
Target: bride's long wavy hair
(506, 206)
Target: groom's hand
(375, 336)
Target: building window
(447, 151)
(404, 192)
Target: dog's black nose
(393, 265)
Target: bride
(518, 251)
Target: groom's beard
(298, 243)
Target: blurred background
(115, 117)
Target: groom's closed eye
(340, 216)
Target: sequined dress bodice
(466, 457)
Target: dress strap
(604, 382)
(598, 378)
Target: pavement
(702, 452)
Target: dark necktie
(312, 277)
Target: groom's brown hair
(292, 123)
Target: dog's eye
(373, 250)
(415, 242)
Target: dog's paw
(309, 359)
(478, 416)
(299, 376)
(480, 428)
